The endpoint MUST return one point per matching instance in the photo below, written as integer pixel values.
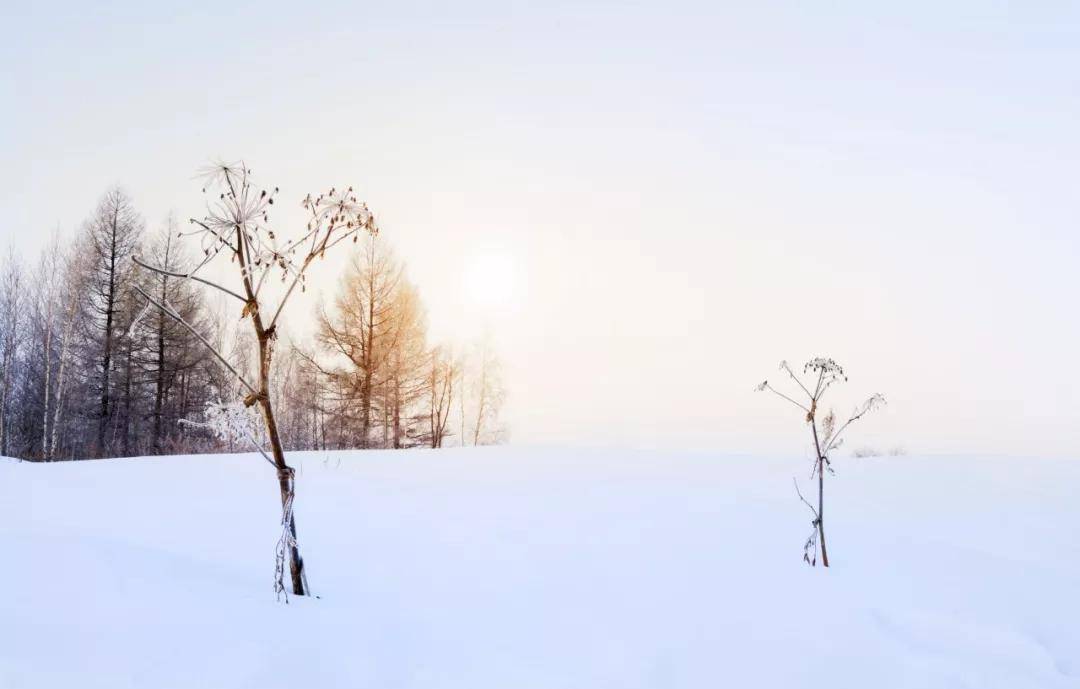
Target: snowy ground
(553, 569)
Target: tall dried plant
(826, 432)
(237, 224)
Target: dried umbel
(238, 220)
(820, 374)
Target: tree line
(88, 369)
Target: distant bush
(864, 452)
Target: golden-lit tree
(376, 340)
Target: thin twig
(799, 493)
(777, 392)
(784, 365)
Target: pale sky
(686, 193)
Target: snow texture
(545, 569)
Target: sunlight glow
(490, 281)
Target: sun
(490, 281)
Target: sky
(676, 196)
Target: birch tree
(76, 277)
(46, 291)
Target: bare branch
(186, 276)
(805, 501)
(765, 386)
(179, 319)
(785, 367)
(199, 424)
(868, 406)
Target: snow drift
(511, 568)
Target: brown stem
(284, 471)
(820, 494)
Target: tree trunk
(8, 357)
(365, 408)
(64, 343)
(48, 372)
(107, 354)
(159, 387)
(127, 402)
(397, 415)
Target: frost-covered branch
(187, 276)
(835, 440)
(169, 311)
(230, 423)
(766, 386)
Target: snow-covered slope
(551, 569)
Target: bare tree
(11, 328)
(488, 394)
(822, 374)
(167, 351)
(444, 375)
(237, 224)
(114, 234)
(76, 276)
(362, 324)
(404, 381)
(47, 291)
(376, 340)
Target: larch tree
(168, 354)
(236, 225)
(405, 379)
(114, 233)
(361, 327)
